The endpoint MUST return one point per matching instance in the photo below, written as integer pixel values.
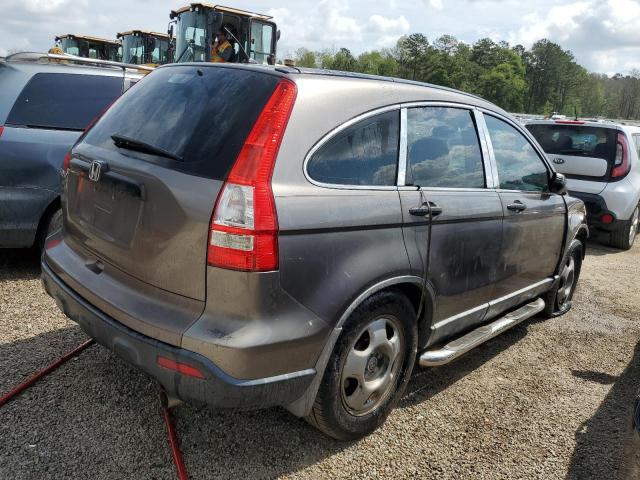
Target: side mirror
(277, 35)
(558, 184)
(170, 31)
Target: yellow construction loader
(141, 47)
(88, 47)
(253, 36)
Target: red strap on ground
(38, 375)
(175, 447)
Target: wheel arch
(54, 205)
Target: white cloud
(437, 4)
(603, 35)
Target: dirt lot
(548, 399)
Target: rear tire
(625, 236)
(50, 225)
(558, 299)
(369, 368)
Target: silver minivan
(256, 236)
(602, 165)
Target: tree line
(541, 80)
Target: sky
(604, 35)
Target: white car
(602, 165)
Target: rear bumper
(217, 389)
(596, 208)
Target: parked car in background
(254, 236)
(602, 166)
(44, 107)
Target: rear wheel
(369, 368)
(558, 300)
(50, 225)
(625, 236)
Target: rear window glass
(63, 101)
(576, 140)
(201, 114)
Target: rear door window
(63, 101)
(519, 166)
(364, 154)
(443, 148)
(201, 114)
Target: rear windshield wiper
(133, 144)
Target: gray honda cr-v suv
(258, 236)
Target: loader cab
(196, 26)
(139, 47)
(88, 47)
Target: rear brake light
(1, 130)
(67, 160)
(621, 164)
(244, 225)
(179, 367)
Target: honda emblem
(96, 169)
(558, 161)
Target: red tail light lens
(244, 225)
(622, 164)
(182, 368)
(67, 160)
(1, 130)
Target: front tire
(369, 369)
(558, 299)
(625, 236)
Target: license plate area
(109, 208)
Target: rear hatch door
(143, 183)
(583, 153)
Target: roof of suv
(30, 62)
(455, 96)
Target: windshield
(576, 140)
(191, 37)
(132, 50)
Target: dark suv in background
(256, 236)
(44, 107)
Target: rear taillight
(67, 160)
(244, 225)
(1, 130)
(622, 163)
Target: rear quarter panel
(30, 165)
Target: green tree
(305, 58)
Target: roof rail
(36, 57)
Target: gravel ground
(548, 399)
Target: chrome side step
(461, 345)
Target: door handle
(517, 206)
(425, 208)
